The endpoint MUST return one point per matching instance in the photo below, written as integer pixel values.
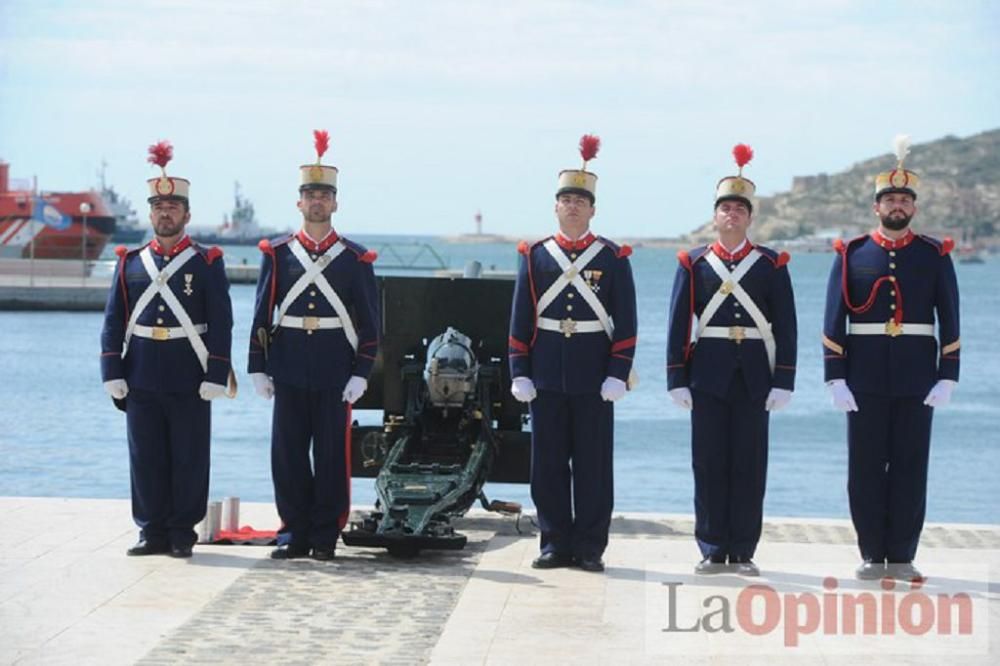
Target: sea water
(61, 436)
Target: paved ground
(69, 595)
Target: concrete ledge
(68, 594)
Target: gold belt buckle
(726, 288)
(161, 333)
(567, 327)
(892, 329)
(737, 334)
(310, 323)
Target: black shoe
(904, 571)
(870, 570)
(591, 563)
(289, 551)
(323, 553)
(714, 564)
(743, 566)
(552, 561)
(180, 552)
(143, 547)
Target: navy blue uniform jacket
(709, 365)
(169, 365)
(875, 280)
(579, 363)
(324, 359)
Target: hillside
(959, 195)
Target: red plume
(322, 142)
(589, 145)
(743, 154)
(161, 153)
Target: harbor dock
(24, 291)
(68, 594)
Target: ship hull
(23, 236)
(18, 236)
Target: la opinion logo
(761, 610)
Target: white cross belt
(731, 285)
(314, 275)
(571, 277)
(159, 285)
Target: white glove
(777, 399)
(843, 399)
(263, 385)
(682, 397)
(523, 389)
(356, 387)
(116, 388)
(613, 389)
(210, 391)
(940, 394)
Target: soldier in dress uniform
(313, 343)
(572, 340)
(886, 369)
(165, 350)
(731, 352)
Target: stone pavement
(69, 595)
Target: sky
(439, 109)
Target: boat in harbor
(240, 227)
(971, 249)
(51, 224)
(129, 230)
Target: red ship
(60, 225)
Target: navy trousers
(889, 442)
(574, 504)
(729, 458)
(313, 496)
(169, 455)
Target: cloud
(447, 88)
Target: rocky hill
(959, 195)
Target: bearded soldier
(886, 368)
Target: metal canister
(231, 514)
(210, 526)
(201, 529)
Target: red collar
(578, 244)
(317, 246)
(726, 255)
(155, 246)
(890, 244)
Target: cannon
(449, 423)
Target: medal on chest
(592, 278)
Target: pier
(83, 286)
(68, 594)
